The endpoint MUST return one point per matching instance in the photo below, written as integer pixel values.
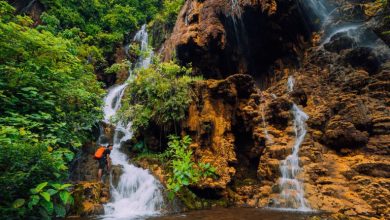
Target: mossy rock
(192, 202)
(88, 197)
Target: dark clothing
(103, 160)
(102, 164)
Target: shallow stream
(241, 213)
(233, 214)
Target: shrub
(184, 170)
(49, 100)
(46, 201)
(159, 94)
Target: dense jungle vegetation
(49, 96)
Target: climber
(104, 160)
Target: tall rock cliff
(245, 132)
(221, 37)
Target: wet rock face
(30, 7)
(341, 133)
(89, 198)
(363, 57)
(342, 86)
(344, 155)
(221, 123)
(220, 39)
(84, 167)
(339, 42)
(345, 164)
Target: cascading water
(235, 13)
(318, 7)
(235, 7)
(292, 193)
(137, 193)
(290, 84)
(267, 136)
(332, 20)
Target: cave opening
(247, 157)
(207, 193)
(255, 43)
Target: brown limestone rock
(221, 39)
(212, 124)
(89, 198)
(343, 134)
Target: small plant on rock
(184, 170)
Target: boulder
(364, 58)
(339, 42)
(340, 133)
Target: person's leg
(100, 174)
(100, 171)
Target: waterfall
(332, 21)
(319, 8)
(137, 193)
(292, 193)
(290, 84)
(235, 7)
(267, 137)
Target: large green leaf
(56, 185)
(45, 195)
(34, 199)
(51, 191)
(47, 205)
(64, 186)
(18, 203)
(65, 195)
(41, 186)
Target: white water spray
(290, 84)
(267, 136)
(332, 21)
(137, 193)
(318, 7)
(292, 193)
(235, 7)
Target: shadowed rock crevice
(247, 153)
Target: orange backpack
(99, 153)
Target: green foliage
(46, 201)
(44, 87)
(160, 95)
(168, 14)
(101, 24)
(50, 98)
(117, 67)
(6, 11)
(184, 170)
(165, 20)
(49, 101)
